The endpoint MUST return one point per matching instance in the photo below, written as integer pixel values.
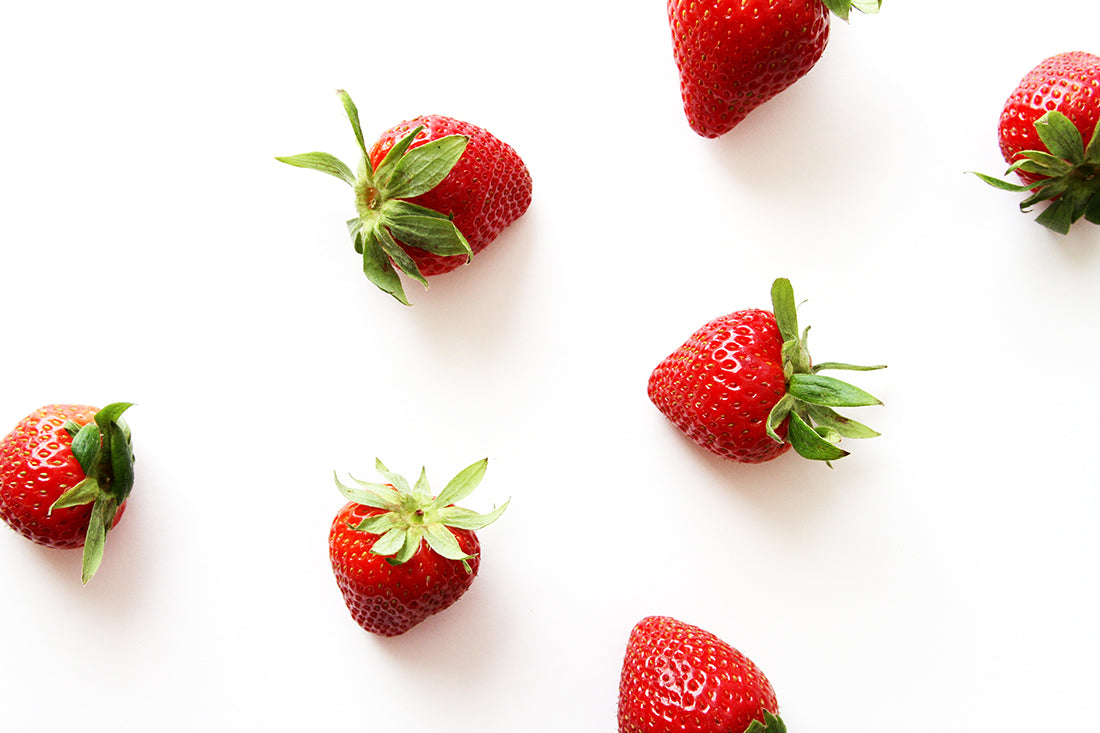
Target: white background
(943, 577)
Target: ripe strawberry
(400, 554)
(679, 678)
(1042, 132)
(65, 474)
(430, 193)
(744, 387)
(735, 55)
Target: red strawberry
(65, 474)
(678, 678)
(1042, 132)
(744, 387)
(400, 554)
(735, 55)
(430, 193)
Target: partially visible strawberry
(735, 55)
(1042, 134)
(678, 678)
(744, 387)
(401, 554)
(65, 474)
(430, 193)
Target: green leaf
(1043, 164)
(1003, 185)
(378, 496)
(778, 414)
(85, 447)
(397, 254)
(398, 481)
(839, 8)
(463, 484)
(422, 168)
(808, 443)
(84, 492)
(378, 524)
(413, 536)
(389, 163)
(869, 7)
(443, 542)
(1092, 211)
(772, 724)
(321, 162)
(1092, 152)
(784, 308)
(822, 390)
(422, 490)
(353, 117)
(829, 418)
(103, 515)
(460, 518)
(1061, 136)
(430, 232)
(850, 367)
(390, 542)
(378, 268)
(354, 229)
(1058, 217)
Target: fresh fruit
(735, 55)
(65, 474)
(401, 554)
(744, 387)
(1042, 133)
(430, 193)
(678, 678)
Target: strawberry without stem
(65, 474)
(1049, 134)
(744, 387)
(678, 678)
(735, 55)
(430, 193)
(400, 554)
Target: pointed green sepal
(811, 443)
(423, 168)
(103, 515)
(353, 117)
(320, 162)
(777, 415)
(377, 265)
(772, 724)
(818, 389)
(842, 8)
(844, 426)
(84, 492)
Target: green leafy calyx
(385, 217)
(104, 451)
(411, 514)
(843, 8)
(1071, 173)
(814, 428)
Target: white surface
(942, 577)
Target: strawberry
(1042, 132)
(430, 193)
(400, 554)
(735, 55)
(744, 387)
(65, 474)
(679, 678)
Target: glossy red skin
(390, 599)
(37, 466)
(488, 189)
(1069, 83)
(722, 383)
(678, 678)
(735, 55)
